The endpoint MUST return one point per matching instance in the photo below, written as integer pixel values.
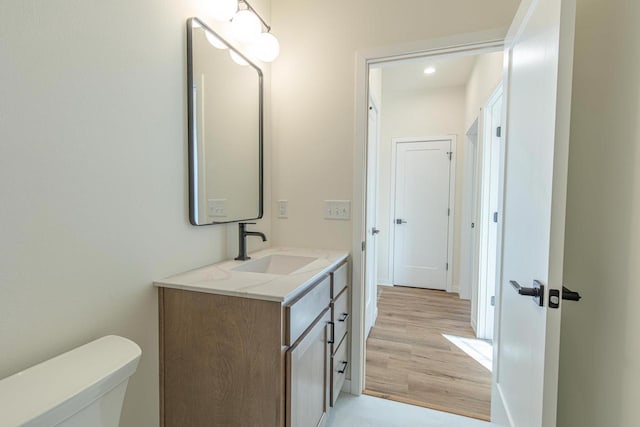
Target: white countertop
(221, 279)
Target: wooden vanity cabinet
(235, 361)
(340, 321)
(307, 376)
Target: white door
(371, 254)
(539, 54)
(421, 220)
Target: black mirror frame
(192, 131)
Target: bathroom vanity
(255, 343)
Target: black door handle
(570, 295)
(400, 221)
(537, 291)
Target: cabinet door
(307, 385)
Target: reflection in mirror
(225, 130)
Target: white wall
(433, 112)
(600, 367)
(484, 78)
(93, 178)
(313, 103)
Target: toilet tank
(83, 387)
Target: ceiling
(408, 75)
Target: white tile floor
(369, 411)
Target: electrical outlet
(283, 209)
(337, 209)
(216, 208)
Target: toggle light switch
(337, 209)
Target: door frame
(468, 238)
(456, 45)
(452, 199)
(369, 237)
(483, 214)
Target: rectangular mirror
(225, 130)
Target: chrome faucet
(242, 241)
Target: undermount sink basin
(276, 264)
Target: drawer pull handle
(345, 316)
(344, 367)
(332, 338)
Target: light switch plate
(283, 209)
(216, 208)
(337, 209)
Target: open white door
(538, 61)
(371, 254)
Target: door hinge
(495, 217)
(493, 300)
(447, 267)
(499, 131)
(448, 211)
(364, 246)
(450, 153)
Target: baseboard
(385, 283)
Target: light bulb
(215, 42)
(237, 58)
(266, 47)
(429, 70)
(222, 10)
(246, 25)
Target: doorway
(421, 348)
(530, 293)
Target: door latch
(568, 294)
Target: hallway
(409, 360)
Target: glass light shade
(266, 47)
(237, 58)
(215, 42)
(246, 25)
(222, 10)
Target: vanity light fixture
(430, 70)
(223, 10)
(247, 26)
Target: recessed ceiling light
(429, 70)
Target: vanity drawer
(301, 313)
(340, 317)
(339, 365)
(339, 279)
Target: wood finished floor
(408, 359)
